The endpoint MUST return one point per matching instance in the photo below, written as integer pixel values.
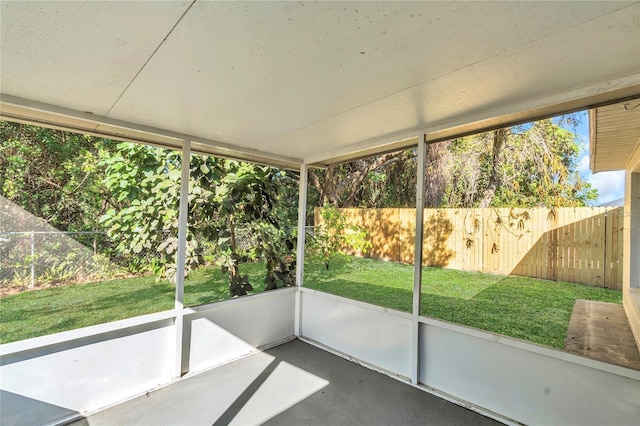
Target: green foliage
(245, 196)
(224, 196)
(145, 181)
(530, 165)
(77, 182)
(54, 175)
(277, 248)
(333, 233)
(535, 165)
(387, 180)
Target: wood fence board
(584, 240)
(600, 248)
(617, 247)
(565, 247)
(574, 261)
(608, 250)
(541, 252)
(594, 254)
(533, 243)
(572, 252)
(561, 271)
(552, 249)
(584, 246)
(591, 247)
(579, 240)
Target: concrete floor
(292, 384)
(600, 330)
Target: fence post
(33, 258)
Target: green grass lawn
(42, 312)
(526, 308)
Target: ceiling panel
(536, 71)
(313, 81)
(79, 55)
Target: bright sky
(610, 185)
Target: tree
(521, 166)
(341, 185)
(333, 233)
(246, 194)
(145, 183)
(225, 196)
(81, 183)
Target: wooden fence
(582, 245)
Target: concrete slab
(292, 384)
(600, 330)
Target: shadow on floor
(292, 384)
(18, 410)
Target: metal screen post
(33, 259)
(181, 253)
(631, 253)
(417, 262)
(302, 217)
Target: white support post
(181, 253)
(417, 262)
(631, 259)
(302, 217)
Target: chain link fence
(47, 258)
(32, 259)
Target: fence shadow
(391, 234)
(381, 223)
(383, 227)
(436, 232)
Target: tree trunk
(233, 267)
(436, 178)
(325, 188)
(499, 138)
(342, 190)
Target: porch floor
(600, 331)
(291, 384)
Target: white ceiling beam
(563, 103)
(45, 115)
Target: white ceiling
(286, 82)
